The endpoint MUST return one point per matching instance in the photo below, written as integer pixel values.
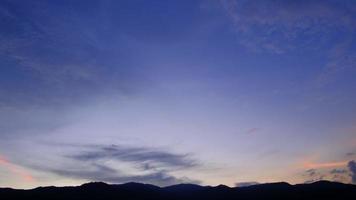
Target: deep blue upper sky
(177, 91)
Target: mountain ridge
(133, 191)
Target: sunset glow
(166, 92)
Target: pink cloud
(15, 169)
(313, 165)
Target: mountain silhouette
(139, 191)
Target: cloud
(324, 165)
(276, 26)
(336, 174)
(341, 59)
(338, 171)
(311, 172)
(58, 58)
(146, 157)
(313, 175)
(339, 175)
(279, 26)
(106, 174)
(245, 184)
(350, 154)
(25, 176)
(352, 167)
(119, 164)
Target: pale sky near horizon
(165, 92)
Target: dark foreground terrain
(133, 191)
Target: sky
(164, 92)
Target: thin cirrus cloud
(170, 74)
(284, 26)
(56, 66)
(288, 22)
(14, 169)
(309, 165)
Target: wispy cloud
(143, 156)
(350, 154)
(315, 165)
(341, 58)
(15, 170)
(313, 176)
(148, 165)
(288, 26)
(338, 171)
(343, 172)
(67, 66)
(278, 25)
(106, 174)
(311, 172)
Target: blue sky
(165, 92)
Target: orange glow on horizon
(310, 165)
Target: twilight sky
(172, 91)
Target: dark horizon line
(180, 184)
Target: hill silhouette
(139, 191)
